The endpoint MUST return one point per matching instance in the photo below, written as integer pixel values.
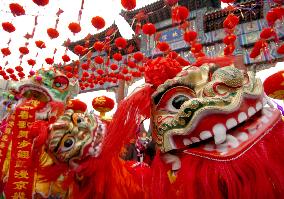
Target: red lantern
(5, 51)
(49, 61)
(69, 75)
(196, 48)
(100, 71)
(66, 58)
(266, 33)
(24, 50)
(231, 21)
(68, 68)
(120, 43)
(85, 66)
(280, 50)
(52, 33)
(163, 46)
(74, 27)
(124, 71)
(149, 29)
(103, 104)
(273, 85)
(98, 22)
(138, 56)
(128, 4)
(99, 60)
(21, 74)
(10, 71)
(16, 9)
(131, 64)
(189, 36)
(19, 68)
(8, 27)
(80, 50)
(172, 55)
(254, 53)
(180, 14)
(113, 67)
(41, 2)
(229, 39)
(229, 50)
(40, 44)
(31, 62)
(117, 57)
(99, 46)
(85, 74)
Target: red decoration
(77, 106)
(117, 57)
(149, 29)
(131, 64)
(103, 104)
(16, 9)
(128, 4)
(267, 33)
(273, 85)
(100, 71)
(85, 74)
(189, 36)
(138, 56)
(124, 71)
(229, 39)
(19, 68)
(8, 27)
(40, 44)
(280, 50)
(231, 21)
(171, 2)
(66, 58)
(21, 74)
(24, 50)
(99, 60)
(196, 48)
(31, 62)
(10, 70)
(229, 50)
(41, 2)
(172, 55)
(98, 22)
(68, 68)
(120, 43)
(49, 61)
(52, 33)
(80, 50)
(113, 67)
(179, 14)
(182, 61)
(74, 27)
(5, 51)
(85, 66)
(163, 46)
(99, 46)
(159, 70)
(254, 53)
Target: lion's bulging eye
(68, 144)
(179, 100)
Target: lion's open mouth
(35, 92)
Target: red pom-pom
(99, 46)
(100, 71)
(99, 60)
(8, 27)
(31, 62)
(266, 33)
(74, 27)
(113, 67)
(149, 29)
(231, 21)
(66, 58)
(49, 61)
(19, 68)
(98, 22)
(16, 9)
(229, 39)
(117, 57)
(196, 48)
(280, 50)
(52, 33)
(120, 43)
(138, 56)
(128, 4)
(40, 44)
(80, 50)
(24, 50)
(159, 70)
(163, 46)
(41, 2)
(5, 51)
(85, 66)
(189, 36)
(179, 14)
(68, 68)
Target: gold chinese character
(20, 185)
(2, 145)
(100, 100)
(23, 144)
(24, 115)
(22, 124)
(21, 174)
(23, 154)
(35, 103)
(8, 130)
(19, 163)
(11, 123)
(23, 134)
(4, 138)
(19, 195)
